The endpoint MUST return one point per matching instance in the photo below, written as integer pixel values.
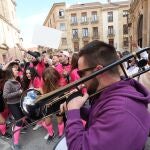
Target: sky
(33, 12)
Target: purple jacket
(118, 120)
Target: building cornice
(83, 8)
(6, 21)
(114, 7)
(133, 5)
(3, 48)
(51, 10)
(14, 2)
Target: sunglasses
(81, 73)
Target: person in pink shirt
(31, 79)
(51, 79)
(74, 68)
(4, 112)
(74, 74)
(36, 61)
(55, 62)
(64, 68)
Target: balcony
(110, 34)
(85, 21)
(75, 38)
(95, 37)
(86, 37)
(94, 20)
(60, 17)
(73, 23)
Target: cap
(66, 53)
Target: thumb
(85, 97)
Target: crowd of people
(41, 73)
(115, 119)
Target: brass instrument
(34, 104)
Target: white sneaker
(46, 136)
(37, 126)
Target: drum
(61, 144)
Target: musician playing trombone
(118, 118)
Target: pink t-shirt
(36, 83)
(61, 69)
(74, 75)
(40, 67)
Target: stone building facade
(82, 23)
(139, 22)
(9, 32)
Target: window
(84, 17)
(125, 42)
(110, 30)
(125, 13)
(73, 18)
(64, 41)
(110, 16)
(94, 16)
(75, 33)
(61, 13)
(76, 46)
(85, 32)
(111, 42)
(95, 31)
(125, 29)
(62, 27)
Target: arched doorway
(140, 31)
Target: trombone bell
(28, 105)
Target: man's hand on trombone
(75, 103)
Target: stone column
(145, 20)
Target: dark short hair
(99, 53)
(44, 52)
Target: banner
(47, 37)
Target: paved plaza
(32, 140)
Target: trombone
(33, 104)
